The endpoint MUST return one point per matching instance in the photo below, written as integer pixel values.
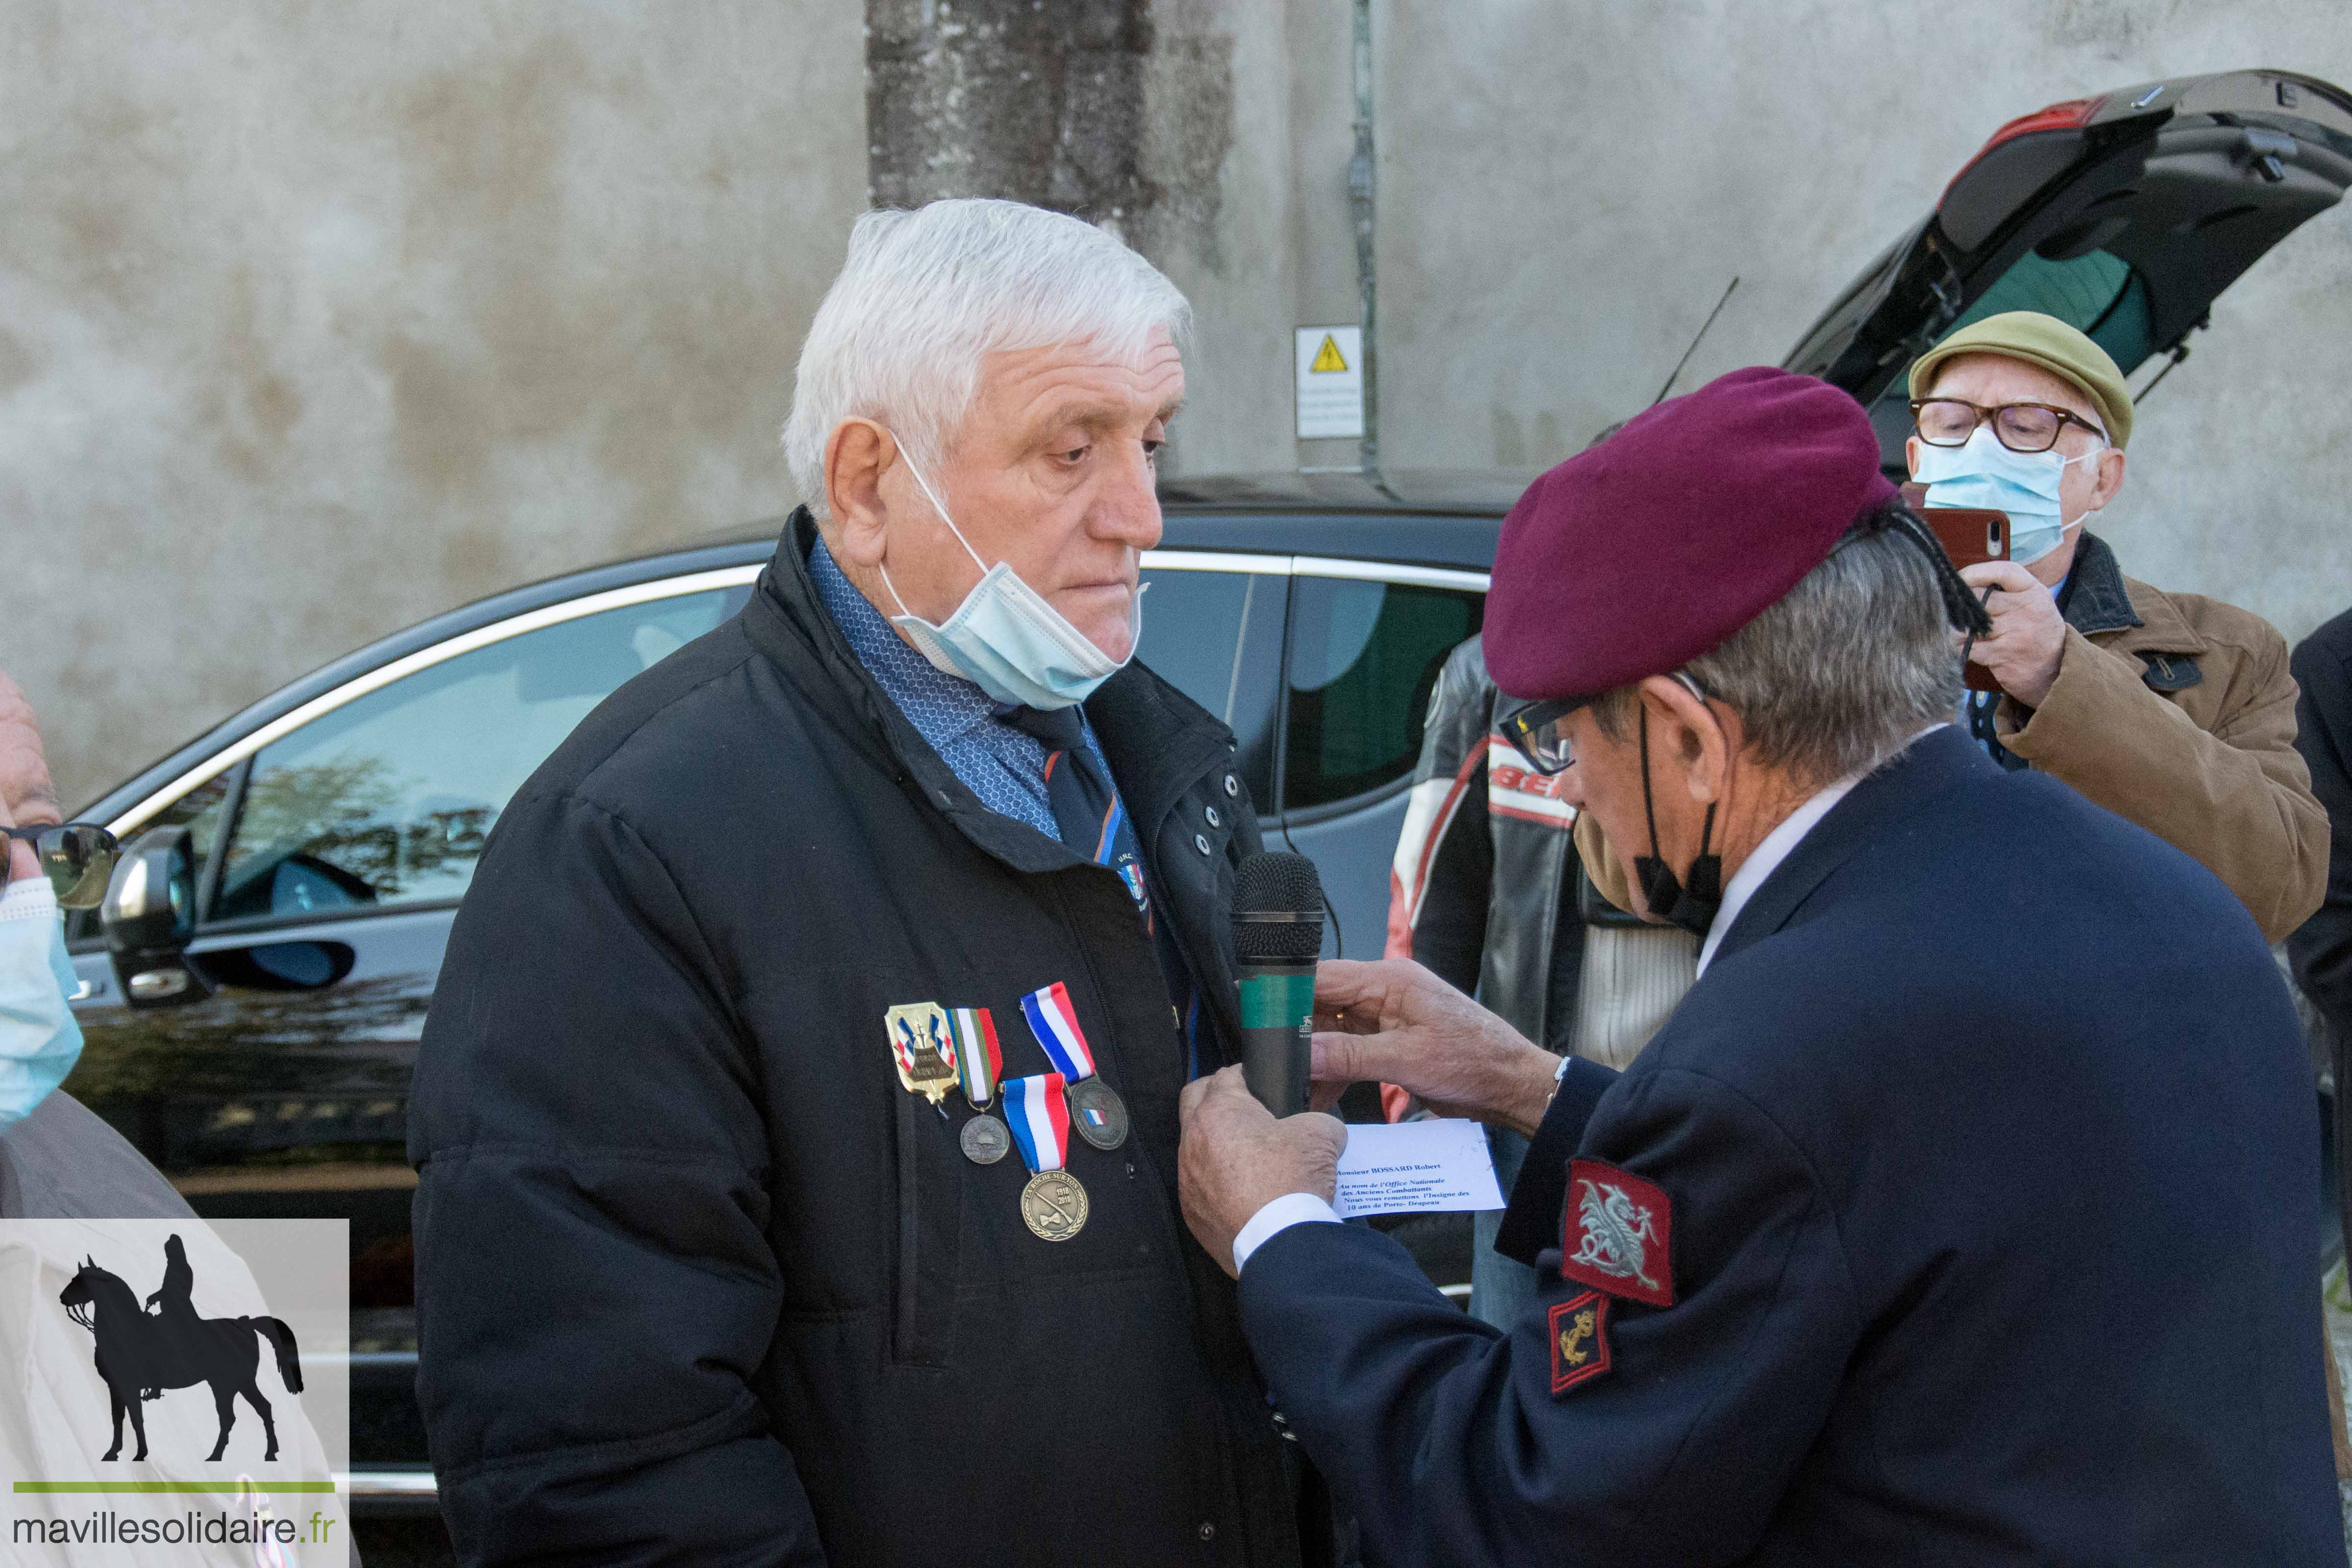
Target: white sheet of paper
(1435, 1166)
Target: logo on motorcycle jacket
(1515, 789)
(1617, 1234)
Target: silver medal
(985, 1139)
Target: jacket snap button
(1214, 820)
(1208, 1531)
(1233, 784)
(1200, 842)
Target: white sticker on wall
(1330, 383)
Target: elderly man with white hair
(797, 1116)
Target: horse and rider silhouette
(141, 1353)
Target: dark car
(254, 1032)
(322, 839)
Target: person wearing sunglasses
(58, 1159)
(2173, 711)
(1950, 1219)
(39, 1041)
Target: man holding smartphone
(2173, 711)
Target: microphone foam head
(1273, 882)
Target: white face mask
(1006, 638)
(39, 1038)
(1984, 473)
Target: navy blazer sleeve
(1444, 1436)
(1532, 1221)
(595, 1278)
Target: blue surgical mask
(1005, 637)
(1984, 473)
(39, 1040)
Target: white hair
(926, 296)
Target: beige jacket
(2175, 712)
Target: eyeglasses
(2020, 426)
(1539, 729)
(1539, 732)
(77, 857)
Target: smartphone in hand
(1971, 535)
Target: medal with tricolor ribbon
(980, 1062)
(1052, 1205)
(1095, 1109)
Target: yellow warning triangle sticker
(1326, 358)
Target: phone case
(1971, 536)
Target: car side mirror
(150, 917)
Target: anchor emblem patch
(1580, 1340)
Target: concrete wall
(315, 319)
(1566, 188)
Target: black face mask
(1692, 904)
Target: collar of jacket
(2104, 605)
(1880, 804)
(1158, 744)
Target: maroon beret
(1643, 553)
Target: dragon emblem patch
(1618, 1233)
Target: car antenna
(1679, 363)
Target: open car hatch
(2125, 214)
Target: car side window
(1364, 657)
(198, 811)
(386, 800)
(1215, 636)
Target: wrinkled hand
(25, 787)
(2027, 637)
(1236, 1158)
(1395, 1022)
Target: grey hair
(1842, 671)
(926, 296)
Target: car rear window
(2097, 293)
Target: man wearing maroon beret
(1832, 1273)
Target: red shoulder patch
(1579, 1341)
(1618, 1236)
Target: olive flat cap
(2044, 341)
(1641, 554)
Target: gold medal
(920, 1046)
(1055, 1205)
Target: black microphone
(1278, 931)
